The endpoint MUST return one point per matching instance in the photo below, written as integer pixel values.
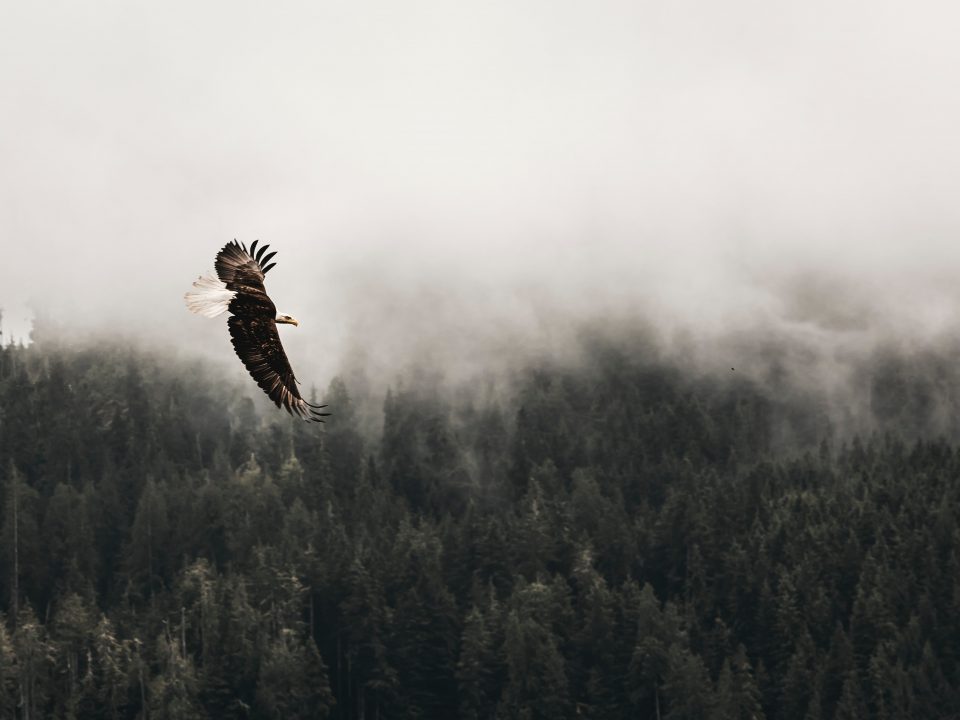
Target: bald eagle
(238, 288)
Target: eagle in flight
(238, 288)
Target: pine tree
(370, 677)
(931, 691)
(686, 686)
(424, 633)
(852, 705)
(230, 673)
(839, 664)
(69, 542)
(738, 697)
(538, 535)
(292, 682)
(173, 692)
(343, 442)
(149, 536)
(112, 661)
(35, 656)
(72, 630)
(536, 675)
(475, 669)
(727, 706)
(798, 682)
(814, 706)
(650, 662)
(889, 694)
(596, 673)
(8, 673)
(20, 550)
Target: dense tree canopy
(615, 537)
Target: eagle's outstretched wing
(238, 268)
(253, 328)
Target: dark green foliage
(292, 682)
(8, 673)
(613, 538)
(536, 685)
(476, 669)
(738, 697)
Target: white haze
(468, 180)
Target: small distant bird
(253, 322)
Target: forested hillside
(608, 538)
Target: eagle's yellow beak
(287, 320)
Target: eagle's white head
(287, 319)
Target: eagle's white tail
(210, 298)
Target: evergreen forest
(612, 536)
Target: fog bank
(475, 183)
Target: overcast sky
(440, 171)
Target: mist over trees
(617, 536)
